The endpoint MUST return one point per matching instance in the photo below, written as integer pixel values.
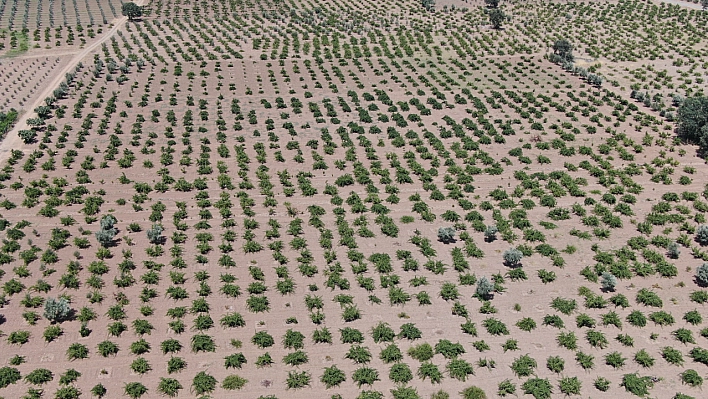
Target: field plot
(360, 200)
(39, 14)
(21, 78)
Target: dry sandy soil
(491, 134)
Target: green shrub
(473, 392)
(400, 373)
(602, 384)
(555, 363)
(203, 383)
(56, 310)
(233, 382)
(169, 387)
(636, 384)
(365, 376)
(134, 390)
(39, 376)
(422, 352)
(570, 385)
(524, 366)
(431, 371)
(539, 388)
(672, 356)
(692, 378)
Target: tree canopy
(563, 49)
(693, 121)
(132, 11)
(496, 18)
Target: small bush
(702, 274)
(636, 384)
(512, 257)
(56, 310)
(484, 288)
(233, 382)
(473, 392)
(446, 234)
(539, 388)
(608, 281)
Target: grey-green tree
(56, 310)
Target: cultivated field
(353, 199)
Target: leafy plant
(233, 382)
(169, 387)
(473, 392)
(203, 383)
(570, 385)
(400, 373)
(512, 257)
(523, 366)
(333, 377)
(56, 310)
(539, 388)
(134, 390)
(636, 384)
(422, 352)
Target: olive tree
(56, 310)
(446, 234)
(702, 275)
(484, 288)
(563, 49)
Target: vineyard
(335, 199)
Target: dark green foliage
(134, 390)
(203, 383)
(400, 373)
(636, 384)
(693, 121)
(333, 377)
(524, 366)
(570, 385)
(539, 388)
(262, 339)
(365, 376)
(422, 352)
(692, 378)
(615, 359)
(169, 387)
(672, 356)
(430, 371)
(495, 326)
(459, 369)
(382, 332)
(555, 363)
(391, 354)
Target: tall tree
(492, 3)
(563, 49)
(132, 10)
(429, 5)
(693, 121)
(496, 18)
